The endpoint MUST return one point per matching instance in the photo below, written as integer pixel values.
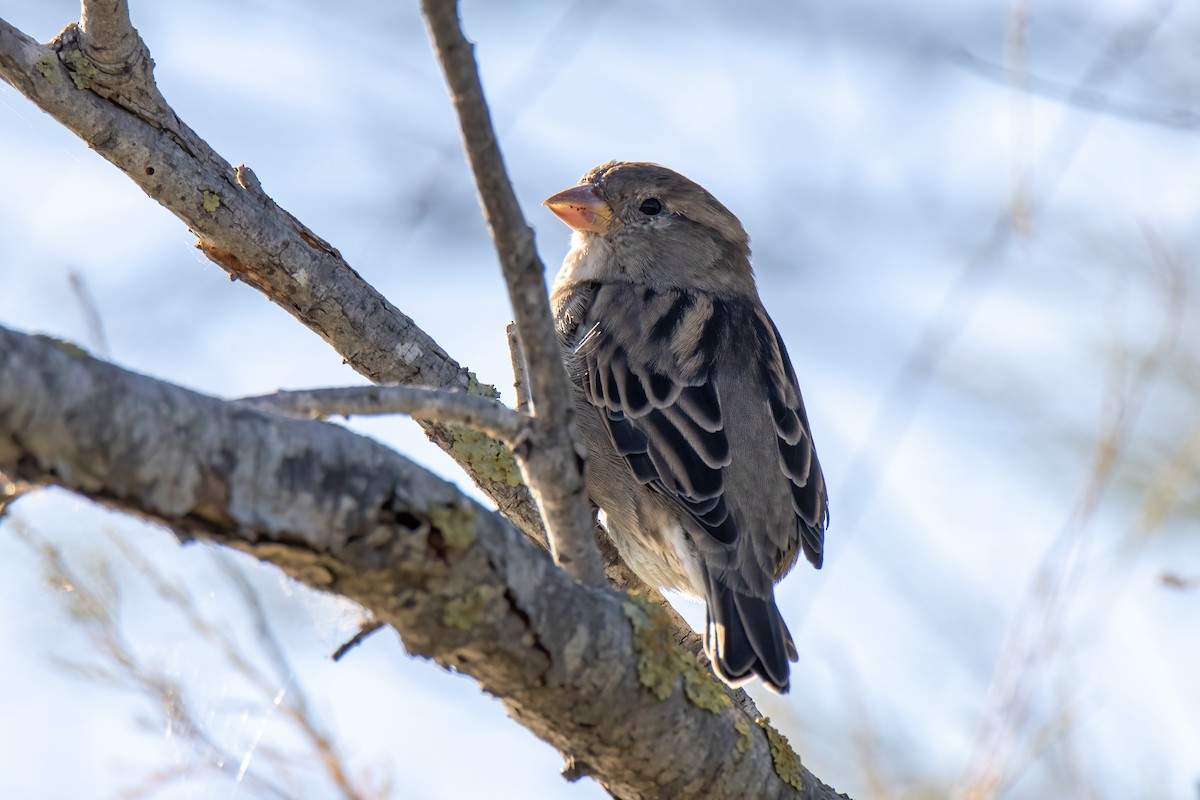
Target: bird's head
(641, 223)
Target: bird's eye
(650, 206)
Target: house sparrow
(700, 455)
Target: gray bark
(588, 669)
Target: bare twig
(1174, 476)
(94, 606)
(520, 376)
(238, 225)
(355, 640)
(299, 711)
(560, 45)
(1033, 636)
(1016, 55)
(478, 413)
(92, 319)
(552, 463)
(1174, 580)
(1083, 97)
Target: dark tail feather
(746, 636)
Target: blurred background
(975, 225)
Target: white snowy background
(975, 225)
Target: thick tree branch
(239, 227)
(254, 240)
(554, 469)
(583, 668)
(250, 236)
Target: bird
(700, 456)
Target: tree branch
(585, 669)
(259, 243)
(477, 413)
(112, 43)
(238, 225)
(245, 232)
(555, 470)
(520, 376)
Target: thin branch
(1034, 636)
(560, 45)
(520, 373)
(433, 405)
(553, 465)
(363, 633)
(93, 320)
(1174, 580)
(299, 711)
(1083, 97)
(91, 601)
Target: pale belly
(668, 561)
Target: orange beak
(581, 208)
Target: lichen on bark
(464, 613)
(787, 763)
(661, 662)
(456, 524)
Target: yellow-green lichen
(212, 201)
(743, 731)
(463, 613)
(82, 70)
(456, 524)
(661, 662)
(47, 67)
(484, 456)
(478, 387)
(702, 688)
(787, 763)
(657, 664)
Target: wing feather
(664, 416)
(664, 413)
(797, 456)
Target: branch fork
(554, 469)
